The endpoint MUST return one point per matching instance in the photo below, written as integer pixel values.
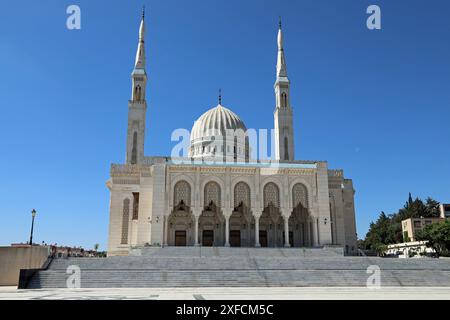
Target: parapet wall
(12, 259)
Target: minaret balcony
(143, 102)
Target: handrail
(25, 275)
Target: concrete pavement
(272, 293)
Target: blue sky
(374, 103)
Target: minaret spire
(283, 122)
(140, 53)
(281, 61)
(137, 106)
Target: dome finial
(220, 96)
(279, 22)
(143, 12)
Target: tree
(387, 229)
(432, 207)
(437, 236)
(96, 246)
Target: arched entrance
(181, 221)
(271, 222)
(241, 220)
(300, 224)
(211, 221)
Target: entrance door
(263, 238)
(180, 238)
(207, 238)
(235, 238)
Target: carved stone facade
(192, 204)
(236, 200)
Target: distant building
(408, 249)
(62, 251)
(411, 226)
(445, 210)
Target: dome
(219, 134)
(214, 122)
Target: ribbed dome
(214, 122)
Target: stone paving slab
(273, 293)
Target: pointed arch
(212, 194)
(182, 195)
(137, 93)
(284, 100)
(271, 194)
(300, 196)
(242, 195)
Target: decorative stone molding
(125, 170)
(125, 181)
(301, 172)
(336, 173)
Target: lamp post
(33, 214)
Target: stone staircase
(241, 267)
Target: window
(284, 100)
(286, 149)
(134, 149)
(125, 218)
(137, 93)
(135, 205)
(417, 224)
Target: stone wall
(12, 259)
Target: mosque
(218, 195)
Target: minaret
(284, 129)
(137, 106)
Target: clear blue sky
(374, 103)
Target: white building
(235, 201)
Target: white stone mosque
(218, 195)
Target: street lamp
(33, 214)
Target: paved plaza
(273, 293)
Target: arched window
(299, 196)
(286, 149)
(135, 205)
(134, 149)
(284, 100)
(242, 195)
(182, 193)
(137, 93)
(125, 218)
(212, 194)
(271, 195)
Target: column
(286, 231)
(314, 231)
(166, 229)
(257, 244)
(227, 230)
(196, 218)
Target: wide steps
(241, 267)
